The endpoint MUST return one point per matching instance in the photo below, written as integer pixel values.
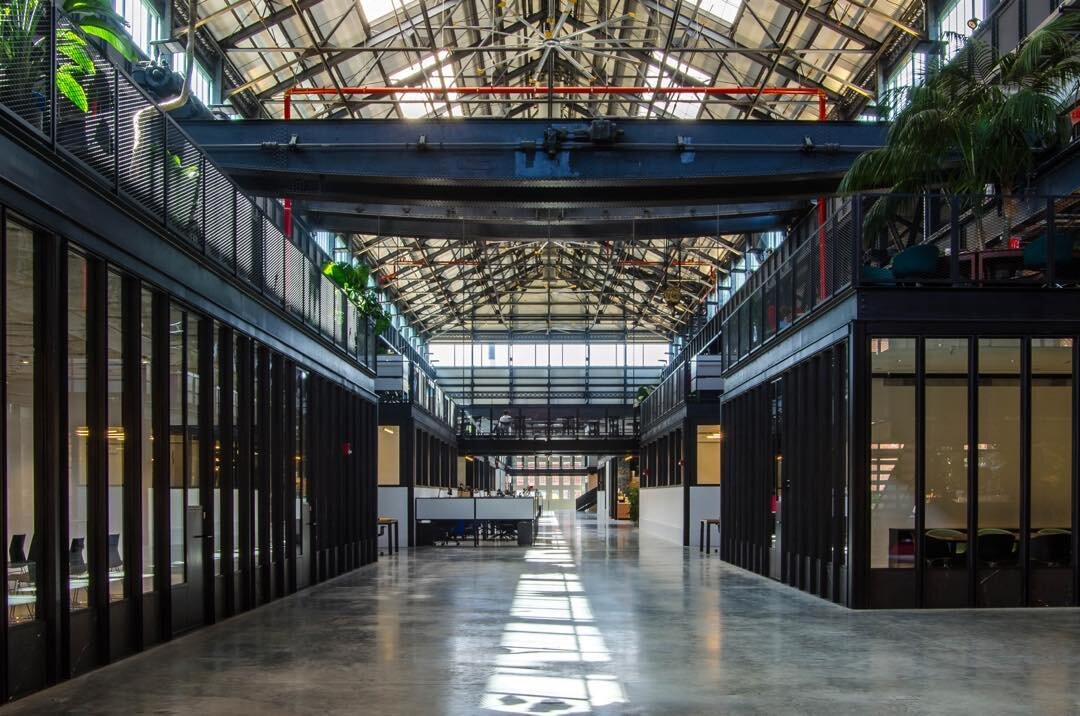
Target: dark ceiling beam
(832, 23)
(723, 40)
(410, 23)
(272, 20)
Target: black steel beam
(511, 229)
(512, 446)
(502, 162)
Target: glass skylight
(375, 10)
(726, 10)
(683, 106)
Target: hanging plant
(353, 280)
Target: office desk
(475, 510)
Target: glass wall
(1009, 481)
(1052, 432)
(892, 452)
(999, 471)
(83, 508)
(146, 399)
(177, 458)
(24, 544)
(78, 432)
(448, 355)
(191, 425)
(114, 433)
(215, 349)
(946, 451)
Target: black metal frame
(48, 646)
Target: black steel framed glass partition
(785, 491)
(972, 470)
(137, 430)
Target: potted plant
(25, 60)
(979, 120)
(353, 280)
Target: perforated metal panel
(90, 135)
(326, 307)
(183, 185)
(273, 260)
(141, 149)
(23, 88)
(247, 223)
(220, 217)
(294, 279)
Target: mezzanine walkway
(588, 620)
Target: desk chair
(115, 561)
(997, 547)
(76, 560)
(1051, 548)
(16, 551)
(943, 548)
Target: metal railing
(110, 130)
(553, 424)
(668, 395)
(925, 241)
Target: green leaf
(382, 322)
(70, 88)
(77, 55)
(118, 40)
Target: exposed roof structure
(834, 45)
(649, 286)
(644, 287)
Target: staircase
(587, 500)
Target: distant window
(143, 23)
(953, 29)
(201, 84)
(904, 77)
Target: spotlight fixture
(973, 23)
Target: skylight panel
(726, 10)
(416, 68)
(683, 106)
(375, 10)
(691, 72)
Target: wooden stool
(393, 544)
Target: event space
(540, 356)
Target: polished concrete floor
(587, 620)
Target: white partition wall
(505, 508)
(660, 513)
(445, 508)
(394, 502)
(704, 504)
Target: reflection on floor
(587, 620)
(551, 631)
